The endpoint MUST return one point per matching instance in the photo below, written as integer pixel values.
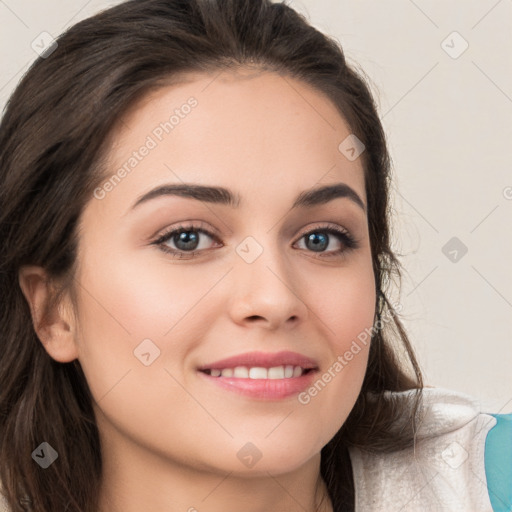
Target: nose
(266, 292)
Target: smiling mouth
(259, 373)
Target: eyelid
(324, 226)
(200, 226)
(187, 225)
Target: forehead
(247, 130)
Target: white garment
(444, 472)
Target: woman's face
(264, 276)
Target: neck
(135, 479)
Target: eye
(186, 240)
(189, 240)
(320, 238)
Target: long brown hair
(53, 139)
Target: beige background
(448, 116)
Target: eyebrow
(223, 196)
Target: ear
(54, 325)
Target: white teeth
(297, 371)
(241, 372)
(276, 372)
(257, 372)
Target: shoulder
(455, 463)
(498, 463)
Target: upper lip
(263, 360)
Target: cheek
(138, 297)
(344, 303)
(130, 316)
(128, 309)
(344, 308)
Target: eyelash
(344, 236)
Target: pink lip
(263, 389)
(263, 360)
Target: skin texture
(169, 438)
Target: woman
(195, 280)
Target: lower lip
(264, 389)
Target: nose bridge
(262, 253)
(263, 280)
(263, 250)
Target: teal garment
(498, 463)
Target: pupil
(189, 238)
(319, 241)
